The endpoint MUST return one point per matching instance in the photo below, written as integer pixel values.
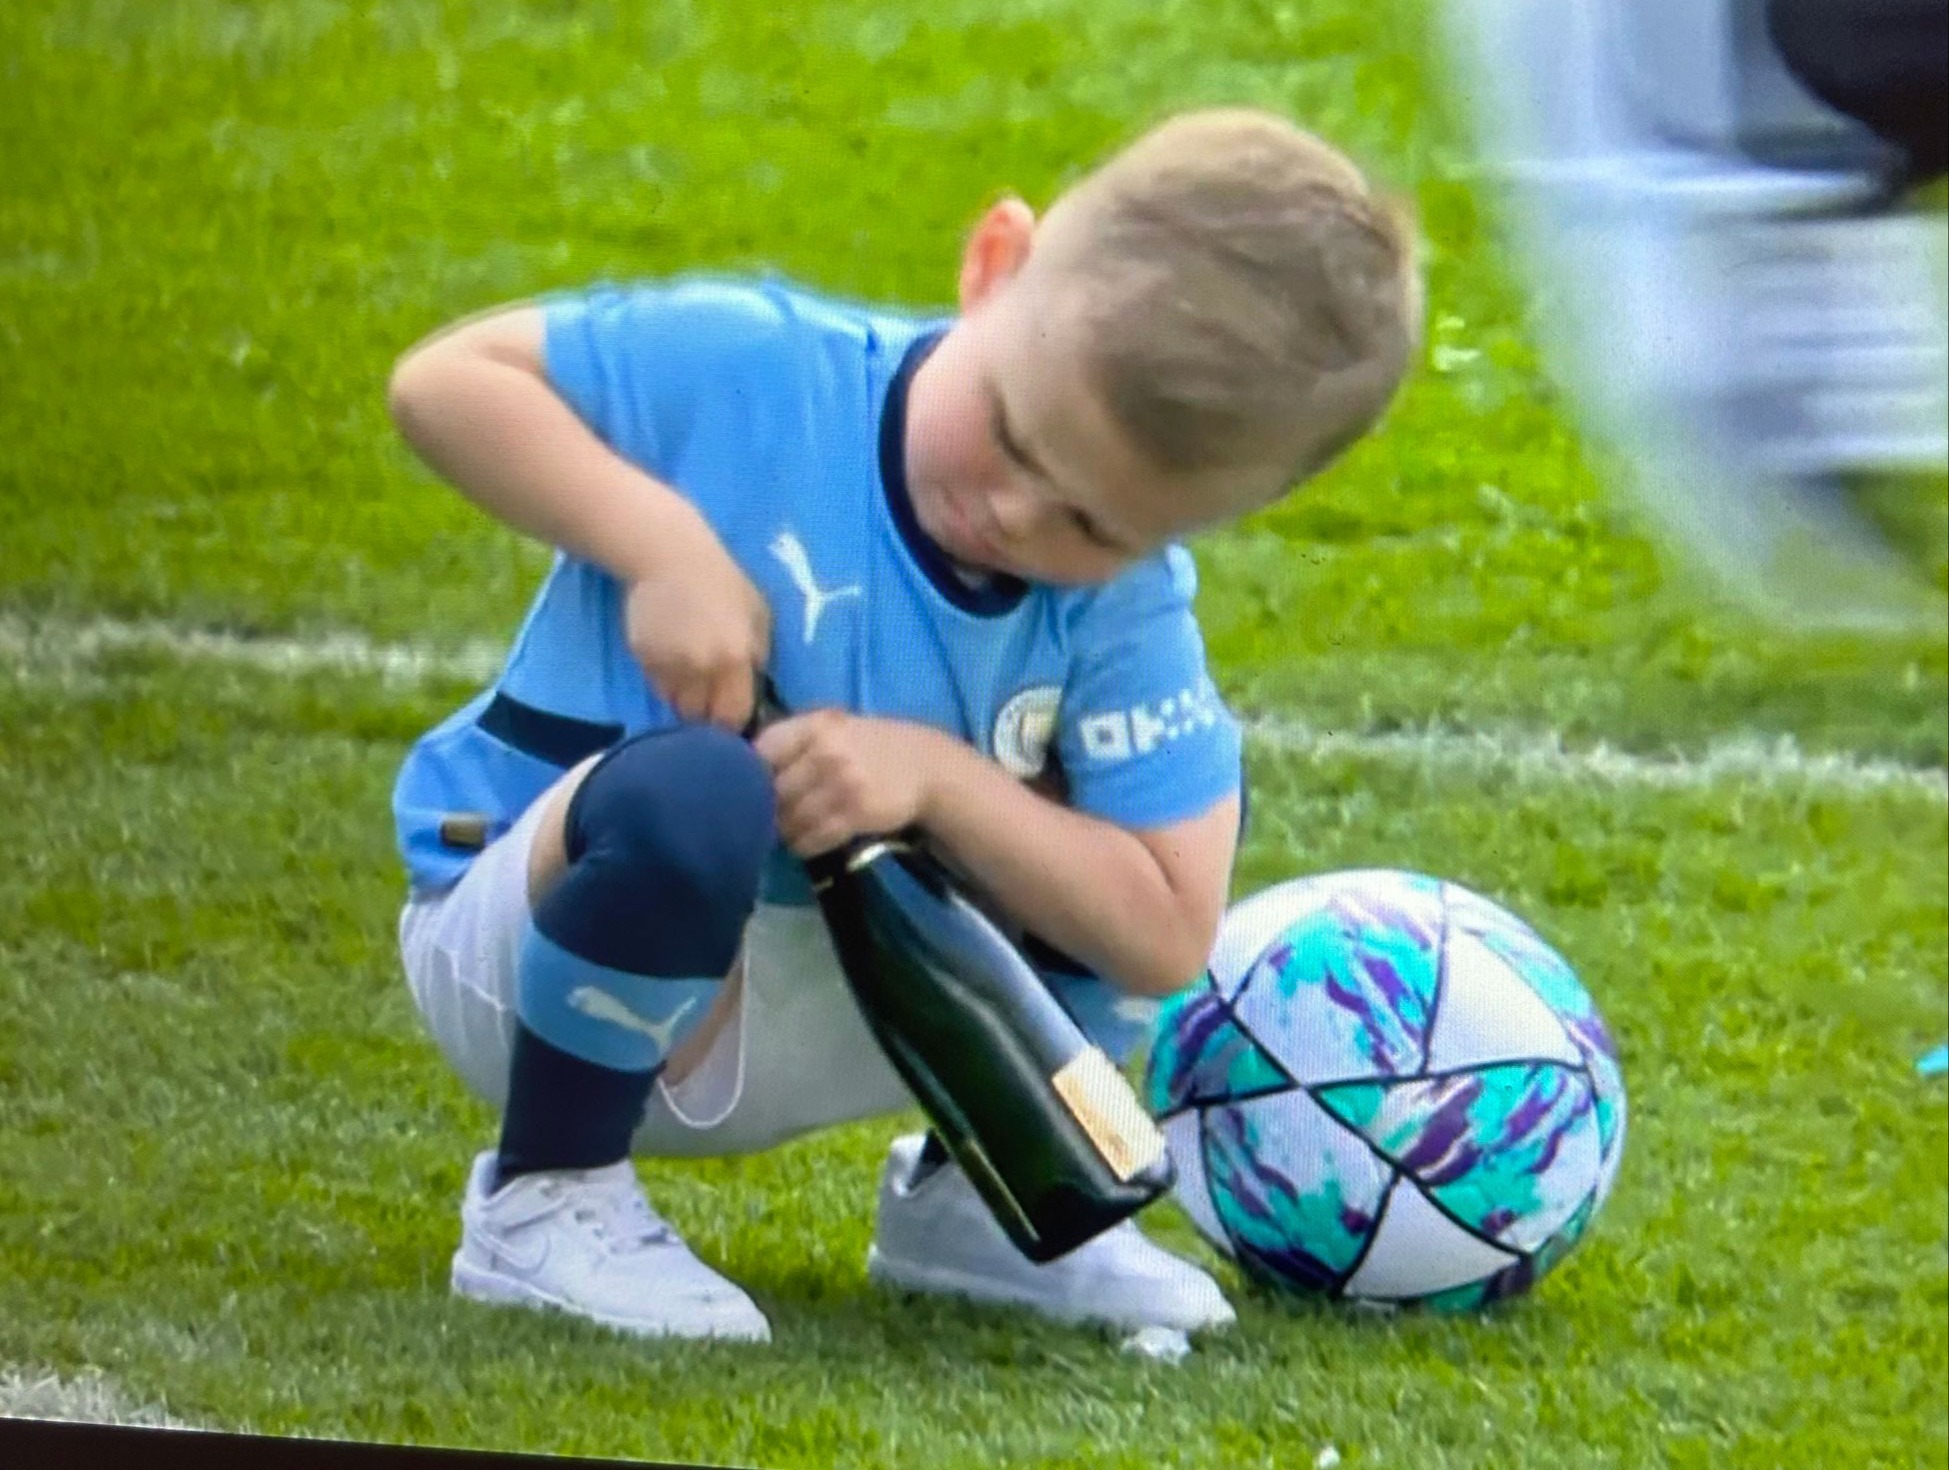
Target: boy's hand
(839, 775)
(701, 631)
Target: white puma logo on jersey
(603, 1006)
(790, 551)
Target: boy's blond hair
(1248, 299)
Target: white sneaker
(585, 1241)
(937, 1236)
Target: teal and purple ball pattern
(1388, 1088)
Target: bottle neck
(852, 857)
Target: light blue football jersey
(780, 414)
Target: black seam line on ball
(1201, 1101)
(1258, 1042)
(1204, 1162)
(1373, 1233)
(1441, 1209)
(1307, 1087)
(1389, 1079)
(1441, 985)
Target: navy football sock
(665, 839)
(564, 1112)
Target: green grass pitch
(232, 1163)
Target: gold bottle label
(1100, 1098)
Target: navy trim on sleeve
(561, 740)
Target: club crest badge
(1023, 730)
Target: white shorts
(794, 1054)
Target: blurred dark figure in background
(1881, 62)
(1714, 200)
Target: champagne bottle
(1047, 1129)
(1049, 1132)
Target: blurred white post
(1723, 283)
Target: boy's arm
(475, 403)
(1139, 907)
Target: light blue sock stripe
(628, 1023)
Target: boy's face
(1012, 463)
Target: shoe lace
(615, 1212)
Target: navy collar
(1001, 593)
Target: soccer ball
(1387, 1089)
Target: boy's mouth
(969, 543)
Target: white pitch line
(90, 1398)
(28, 646)
(1543, 756)
(37, 651)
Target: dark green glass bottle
(1047, 1129)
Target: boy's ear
(1401, 212)
(997, 248)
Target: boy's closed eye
(1004, 435)
(1013, 450)
(1084, 522)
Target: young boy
(951, 545)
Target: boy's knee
(666, 840)
(694, 804)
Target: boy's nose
(1014, 511)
